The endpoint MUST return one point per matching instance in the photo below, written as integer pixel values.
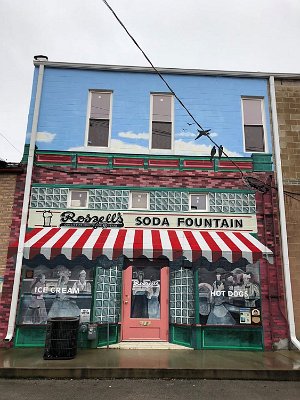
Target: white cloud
(83, 148)
(132, 135)
(190, 148)
(120, 146)
(195, 149)
(46, 137)
(116, 146)
(193, 135)
(185, 134)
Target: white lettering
(218, 293)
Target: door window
(145, 293)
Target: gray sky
(243, 35)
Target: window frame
(198, 194)
(263, 118)
(151, 149)
(130, 206)
(88, 117)
(70, 199)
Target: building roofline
(178, 71)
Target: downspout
(26, 198)
(282, 219)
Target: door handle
(125, 302)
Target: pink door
(145, 310)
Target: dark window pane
(100, 105)
(98, 132)
(161, 135)
(162, 105)
(254, 138)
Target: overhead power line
(167, 84)
(4, 137)
(259, 184)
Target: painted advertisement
(59, 292)
(144, 220)
(230, 297)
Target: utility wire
(167, 84)
(183, 105)
(10, 143)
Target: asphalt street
(149, 389)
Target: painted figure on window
(153, 299)
(220, 314)
(36, 312)
(205, 290)
(82, 286)
(251, 290)
(139, 302)
(64, 305)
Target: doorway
(145, 302)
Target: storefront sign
(101, 219)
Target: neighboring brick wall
(10, 265)
(274, 320)
(288, 109)
(7, 192)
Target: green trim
(102, 334)
(25, 154)
(147, 188)
(196, 296)
(265, 157)
(261, 162)
(94, 291)
(182, 335)
(30, 336)
(232, 343)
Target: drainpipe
(26, 198)
(282, 219)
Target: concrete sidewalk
(119, 363)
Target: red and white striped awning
(134, 243)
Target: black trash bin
(61, 338)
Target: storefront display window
(58, 292)
(230, 296)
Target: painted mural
(145, 293)
(215, 102)
(230, 297)
(58, 292)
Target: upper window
(78, 198)
(99, 119)
(198, 202)
(161, 121)
(254, 132)
(139, 200)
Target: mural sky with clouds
(215, 102)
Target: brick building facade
(9, 174)
(139, 230)
(288, 109)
